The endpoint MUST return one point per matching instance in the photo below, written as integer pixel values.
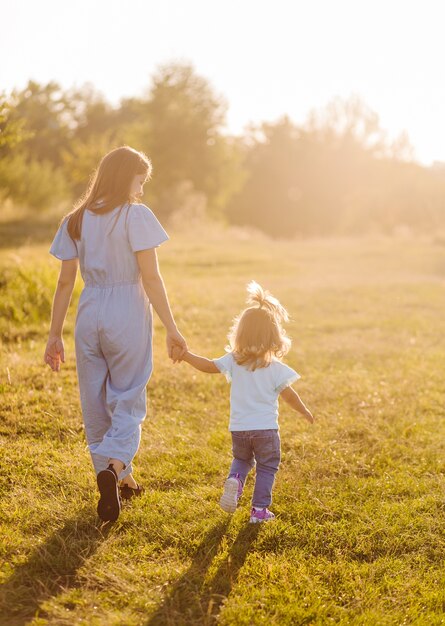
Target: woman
(114, 238)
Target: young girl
(114, 238)
(258, 377)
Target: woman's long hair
(257, 334)
(109, 186)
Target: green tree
(49, 118)
(12, 130)
(96, 129)
(272, 197)
(331, 175)
(348, 122)
(181, 124)
(28, 181)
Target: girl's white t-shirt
(254, 394)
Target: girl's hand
(54, 353)
(174, 341)
(178, 354)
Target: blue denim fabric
(260, 448)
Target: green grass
(359, 498)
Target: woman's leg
(92, 373)
(129, 481)
(128, 352)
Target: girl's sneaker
(233, 488)
(260, 515)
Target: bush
(35, 184)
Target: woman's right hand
(174, 341)
(54, 353)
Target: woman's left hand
(176, 340)
(54, 353)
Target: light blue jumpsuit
(113, 333)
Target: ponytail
(265, 300)
(257, 335)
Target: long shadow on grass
(51, 568)
(195, 600)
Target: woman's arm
(157, 294)
(292, 398)
(200, 363)
(55, 352)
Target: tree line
(335, 174)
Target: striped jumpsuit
(113, 333)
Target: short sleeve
(144, 230)
(284, 376)
(225, 365)
(63, 247)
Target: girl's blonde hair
(110, 184)
(257, 334)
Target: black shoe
(128, 492)
(109, 505)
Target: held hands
(54, 353)
(177, 354)
(176, 346)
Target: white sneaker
(233, 488)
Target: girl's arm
(201, 363)
(55, 352)
(292, 398)
(157, 294)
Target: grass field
(360, 530)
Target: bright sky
(267, 58)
